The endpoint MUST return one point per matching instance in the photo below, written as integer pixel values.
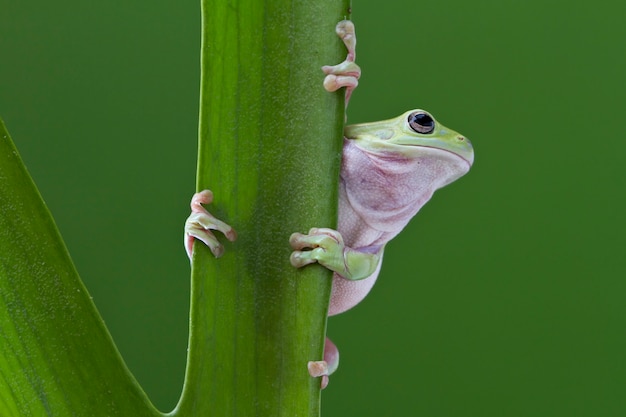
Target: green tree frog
(389, 170)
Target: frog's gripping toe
(327, 366)
(319, 369)
(346, 32)
(200, 223)
(319, 245)
(347, 73)
(342, 75)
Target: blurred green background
(504, 297)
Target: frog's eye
(421, 122)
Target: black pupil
(424, 120)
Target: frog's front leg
(200, 223)
(326, 247)
(348, 72)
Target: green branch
(270, 142)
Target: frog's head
(411, 133)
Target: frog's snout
(467, 150)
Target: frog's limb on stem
(327, 366)
(327, 248)
(200, 223)
(347, 73)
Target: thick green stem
(269, 147)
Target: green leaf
(56, 356)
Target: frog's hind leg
(327, 366)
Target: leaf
(56, 356)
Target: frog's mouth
(462, 149)
(465, 156)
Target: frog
(389, 170)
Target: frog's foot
(347, 73)
(326, 367)
(326, 247)
(319, 369)
(320, 245)
(201, 222)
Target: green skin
(390, 169)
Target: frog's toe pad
(196, 229)
(319, 369)
(317, 237)
(335, 82)
(302, 258)
(320, 245)
(345, 30)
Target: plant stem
(270, 141)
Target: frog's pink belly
(346, 294)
